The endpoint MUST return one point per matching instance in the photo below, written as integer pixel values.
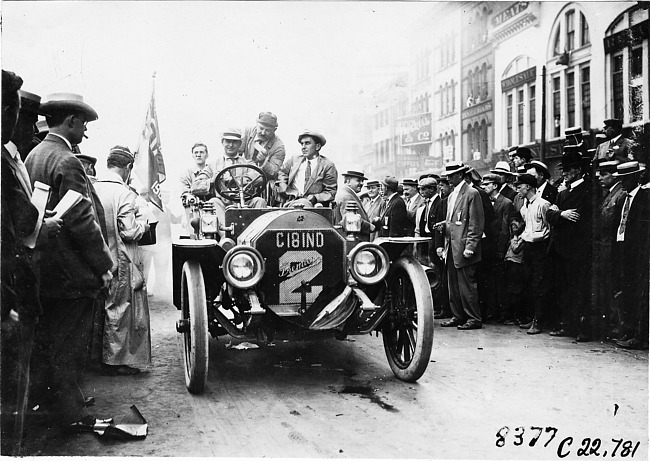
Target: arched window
(484, 139)
(446, 98)
(470, 84)
(442, 98)
(484, 88)
(478, 82)
(453, 97)
(453, 143)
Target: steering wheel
(240, 182)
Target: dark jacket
(72, 264)
(504, 211)
(392, 222)
(568, 239)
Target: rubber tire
(417, 300)
(195, 341)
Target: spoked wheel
(194, 316)
(408, 327)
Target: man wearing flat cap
(126, 338)
(261, 146)
(631, 252)
(413, 201)
(75, 265)
(540, 172)
(570, 248)
(310, 178)
(352, 184)
(617, 146)
(392, 222)
(602, 286)
(462, 229)
(373, 202)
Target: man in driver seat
(231, 140)
(310, 178)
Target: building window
(556, 43)
(509, 119)
(531, 112)
(617, 85)
(585, 90)
(570, 99)
(636, 85)
(584, 31)
(520, 116)
(556, 107)
(570, 31)
(484, 139)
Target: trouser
(17, 341)
(537, 271)
(463, 291)
(633, 284)
(602, 287)
(61, 348)
(572, 279)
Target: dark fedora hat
(527, 179)
(614, 123)
(571, 157)
(268, 119)
(355, 174)
(30, 102)
(67, 102)
(87, 158)
(523, 152)
(540, 167)
(390, 182)
(313, 134)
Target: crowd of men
(510, 247)
(73, 287)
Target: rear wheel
(408, 327)
(195, 336)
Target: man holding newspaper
(74, 267)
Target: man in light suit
(75, 265)
(463, 227)
(413, 201)
(310, 178)
(353, 182)
(392, 222)
(373, 203)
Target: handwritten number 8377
(518, 433)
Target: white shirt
(299, 179)
(620, 236)
(540, 189)
(451, 201)
(20, 166)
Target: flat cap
(87, 158)
(428, 182)
(268, 119)
(313, 134)
(527, 179)
(232, 133)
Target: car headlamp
(369, 263)
(243, 266)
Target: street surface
(339, 399)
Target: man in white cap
(507, 176)
(463, 227)
(631, 248)
(75, 265)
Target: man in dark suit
(25, 133)
(463, 227)
(504, 211)
(392, 222)
(74, 266)
(631, 248)
(348, 194)
(617, 146)
(309, 178)
(424, 217)
(507, 176)
(540, 172)
(520, 156)
(570, 248)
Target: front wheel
(408, 327)
(195, 336)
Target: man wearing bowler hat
(602, 286)
(631, 248)
(392, 222)
(521, 156)
(570, 248)
(617, 147)
(75, 265)
(462, 228)
(352, 184)
(88, 162)
(540, 172)
(261, 146)
(310, 178)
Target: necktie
(626, 212)
(424, 231)
(307, 174)
(23, 176)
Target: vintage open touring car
(291, 273)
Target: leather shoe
(442, 315)
(583, 338)
(511, 322)
(470, 326)
(534, 329)
(526, 326)
(452, 323)
(560, 333)
(632, 343)
(119, 370)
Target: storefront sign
(509, 13)
(477, 109)
(415, 129)
(624, 38)
(519, 79)
(432, 162)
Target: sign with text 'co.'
(415, 129)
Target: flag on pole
(149, 165)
